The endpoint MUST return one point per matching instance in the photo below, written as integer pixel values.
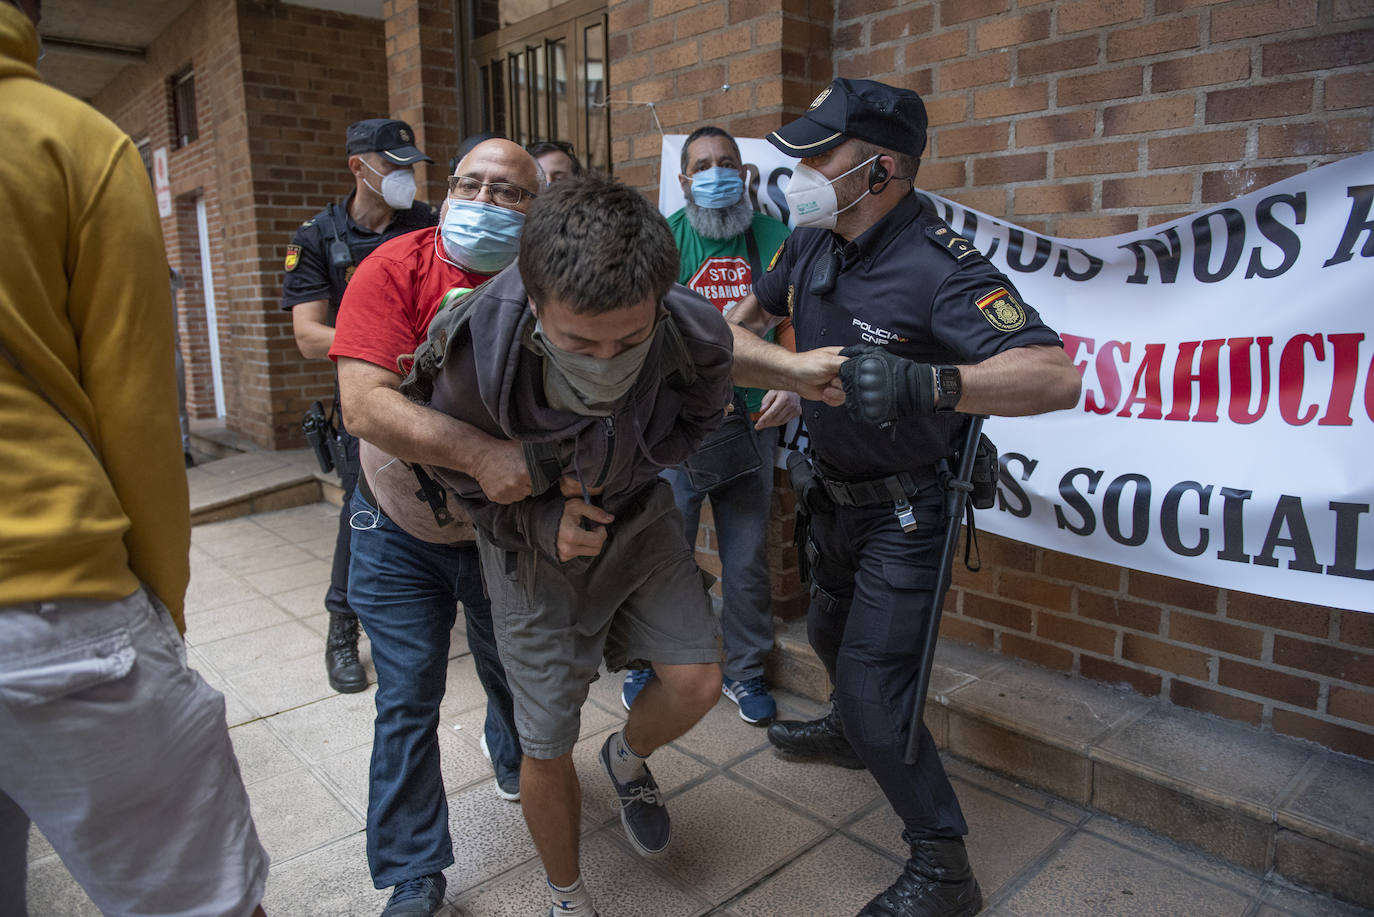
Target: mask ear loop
(855, 169)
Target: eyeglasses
(503, 193)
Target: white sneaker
(510, 791)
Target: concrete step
(1263, 802)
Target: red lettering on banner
(1292, 373)
(1147, 378)
(1208, 378)
(1239, 407)
(1345, 356)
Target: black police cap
(883, 115)
(393, 139)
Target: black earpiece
(876, 176)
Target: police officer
(319, 262)
(902, 328)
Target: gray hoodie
(494, 381)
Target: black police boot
(346, 673)
(822, 739)
(937, 882)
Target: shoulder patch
(776, 255)
(1002, 310)
(308, 223)
(293, 257)
(959, 248)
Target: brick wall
(1079, 118)
(276, 86)
(421, 71)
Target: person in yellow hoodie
(109, 743)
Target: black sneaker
(420, 897)
(345, 670)
(821, 739)
(937, 882)
(641, 808)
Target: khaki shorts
(120, 755)
(643, 600)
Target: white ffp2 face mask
(398, 187)
(811, 196)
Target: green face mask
(587, 385)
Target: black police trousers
(336, 599)
(872, 586)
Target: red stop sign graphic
(724, 281)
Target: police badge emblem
(293, 257)
(1002, 310)
(819, 99)
(791, 296)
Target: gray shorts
(120, 754)
(643, 599)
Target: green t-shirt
(719, 269)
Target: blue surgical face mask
(717, 188)
(482, 237)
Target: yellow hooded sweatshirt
(86, 309)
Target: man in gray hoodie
(604, 371)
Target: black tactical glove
(880, 387)
(808, 488)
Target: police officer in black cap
(319, 262)
(903, 329)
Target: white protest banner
(1227, 417)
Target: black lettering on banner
(1077, 502)
(1168, 518)
(1362, 198)
(1286, 239)
(775, 193)
(1348, 541)
(1165, 256)
(1016, 243)
(1064, 269)
(970, 229)
(1022, 508)
(1202, 244)
(1288, 513)
(1140, 510)
(1233, 525)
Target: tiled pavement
(754, 836)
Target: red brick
(1334, 736)
(1055, 129)
(998, 170)
(1357, 628)
(1314, 138)
(1351, 704)
(1095, 87)
(1324, 52)
(1096, 227)
(723, 43)
(1051, 657)
(853, 9)
(980, 71)
(1072, 198)
(676, 57)
(698, 79)
(1094, 14)
(935, 175)
(983, 138)
(1005, 31)
(1151, 586)
(1191, 71)
(989, 200)
(1146, 683)
(1011, 100)
(1229, 184)
(660, 8)
(955, 11)
(1186, 694)
(1057, 56)
(1119, 611)
(949, 110)
(1003, 552)
(1324, 659)
(1153, 191)
(1281, 614)
(1349, 90)
(937, 48)
(904, 23)
(1254, 102)
(1035, 591)
(869, 65)
(1152, 116)
(1155, 38)
(1216, 634)
(1076, 632)
(1170, 657)
(965, 631)
(1264, 18)
(1343, 10)
(1096, 159)
(997, 612)
(1265, 681)
(1197, 147)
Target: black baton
(954, 504)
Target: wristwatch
(948, 388)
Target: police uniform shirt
(913, 286)
(309, 275)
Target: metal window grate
(184, 126)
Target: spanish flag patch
(293, 257)
(1002, 310)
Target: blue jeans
(741, 522)
(405, 592)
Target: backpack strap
(451, 318)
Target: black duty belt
(895, 490)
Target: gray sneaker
(641, 808)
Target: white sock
(625, 763)
(573, 901)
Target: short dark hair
(595, 246)
(907, 165)
(708, 130)
(540, 147)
